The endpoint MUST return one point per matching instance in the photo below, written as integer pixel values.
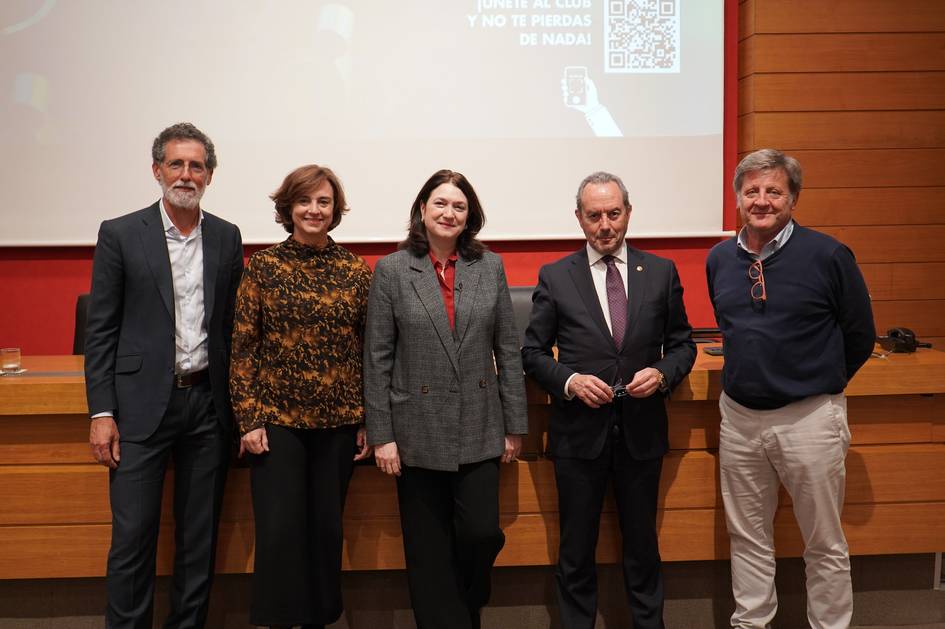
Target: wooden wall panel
(882, 479)
(746, 19)
(871, 206)
(938, 428)
(533, 444)
(694, 424)
(842, 91)
(938, 342)
(531, 539)
(851, 168)
(893, 474)
(892, 243)
(844, 16)
(858, 52)
(926, 318)
(57, 397)
(901, 528)
(892, 281)
(46, 439)
(899, 374)
(871, 419)
(56, 519)
(49, 552)
(54, 494)
(855, 89)
(81, 550)
(843, 130)
(699, 534)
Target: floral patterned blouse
(297, 338)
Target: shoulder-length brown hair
(301, 182)
(468, 246)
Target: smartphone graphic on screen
(574, 77)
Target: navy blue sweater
(810, 336)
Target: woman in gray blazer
(444, 398)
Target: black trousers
(200, 446)
(450, 522)
(581, 487)
(299, 490)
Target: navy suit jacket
(130, 342)
(566, 312)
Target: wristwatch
(664, 387)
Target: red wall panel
(39, 285)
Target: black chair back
(521, 308)
(81, 318)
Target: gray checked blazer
(446, 397)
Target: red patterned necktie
(616, 300)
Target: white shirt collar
(776, 243)
(594, 256)
(170, 227)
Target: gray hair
(601, 177)
(183, 131)
(770, 159)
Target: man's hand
(103, 440)
(255, 441)
(387, 458)
(591, 390)
(645, 382)
(364, 449)
(513, 446)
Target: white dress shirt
(190, 325)
(595, 260)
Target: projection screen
(525, 97)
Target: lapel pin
(639, 268)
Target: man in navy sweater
(796, 325)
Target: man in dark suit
(164, 283)
(617, 317)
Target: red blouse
(446, 275)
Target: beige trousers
(802, 446)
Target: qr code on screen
(641, 36)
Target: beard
(182, 195)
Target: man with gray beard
(157, 354)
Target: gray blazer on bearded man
(446, 397)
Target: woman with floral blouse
(296, 385)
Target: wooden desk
(55, 520)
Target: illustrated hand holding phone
(579, 93)
(578, 90)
